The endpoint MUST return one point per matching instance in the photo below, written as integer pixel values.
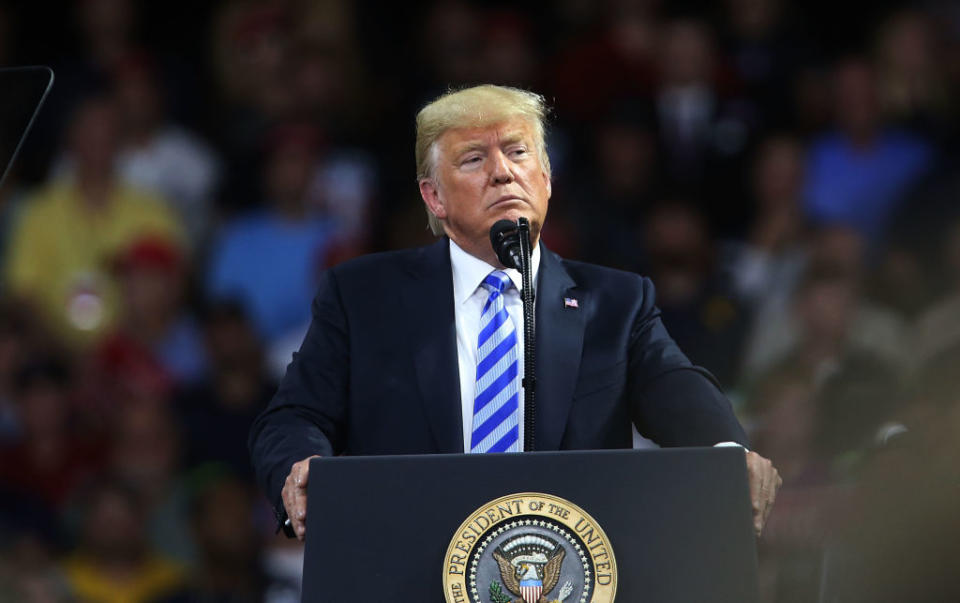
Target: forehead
(458, 139)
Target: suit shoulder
(375, 264)
(595, 275)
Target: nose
(500, 169)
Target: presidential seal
(529, 548)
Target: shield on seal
(530, 590)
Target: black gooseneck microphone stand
(511, 242)
(529, 338)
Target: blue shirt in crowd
(271, 265)
(860, 187)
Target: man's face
(486, 174)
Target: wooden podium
(677, 523)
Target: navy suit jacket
(377, 372)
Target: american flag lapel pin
(571, 302)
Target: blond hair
(475, 107)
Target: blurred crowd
(785, 172)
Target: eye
(471, 160)
(518, 152)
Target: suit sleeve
(675, 403)
(307, 414)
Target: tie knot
(497, 281)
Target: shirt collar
(469, 272)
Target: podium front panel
(678, 520)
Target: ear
(431, 196)
(549, 184)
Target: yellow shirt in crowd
(155, 578)
(60, 251)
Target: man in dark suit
(398, 338)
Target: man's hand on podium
(294, 496)
(764, 483)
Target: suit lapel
(559, 347)
(429, 304)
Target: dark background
(785, 173)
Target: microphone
(505, 238)
(511, 243)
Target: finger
(760, 515)
(296, 511)
(756, 492)
(297, 507)
(777, 482)
(757, 488)
(300, 474)
(301, 471)
(753, 478)
(766, 513)
(290, 504)
(287, 495)
(763, 520)
(297, 520)
(770, 494)
(300, 503)
(759, 472)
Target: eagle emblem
(530, 547)
(530, 569)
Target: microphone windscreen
(504, 237)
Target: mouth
(508, 200)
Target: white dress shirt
(469, 298)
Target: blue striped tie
(496, 407)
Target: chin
(512, 214)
